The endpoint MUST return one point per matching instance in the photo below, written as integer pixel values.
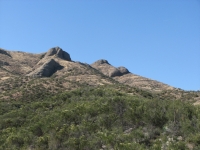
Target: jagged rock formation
(57, 51)
(103, 66)
(47, 69)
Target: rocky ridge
(122, 75)
(46, 70)
(107, 69)
(58, 62)
(48, 65)
(47, 99)
(58, 52)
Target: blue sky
(155, 39)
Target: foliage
(97, 118)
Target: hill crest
(58, 62)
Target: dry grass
(13, 78)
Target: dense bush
(95, 118)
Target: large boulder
(47, 69)
(113, 72)
(123, 70)
(59, 53)
(107, 69)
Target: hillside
(122, 75)
(49, 101)
(19, 63)
(23, 68)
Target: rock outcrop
(57, 51)
(47, 69)
(50, 62)
(107, 69)
(123, 70)
(114, 72)
(100, 62)
(58, 62)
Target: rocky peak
(57, 51)
(101, 61)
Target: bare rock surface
(57, 51)
(107, 69)
(123, 70)
(100, 62)
(47, 69)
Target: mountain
(58, 63)
(49, 101)
(122, 75)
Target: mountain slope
(56, 65)
(16, 62)
(97, 118)
(48, 101)
(122, 75)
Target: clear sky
(156, 39)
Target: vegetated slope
(23, 72)
(61, 104)
(164, 91)
(52, 71)
(98, 118)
